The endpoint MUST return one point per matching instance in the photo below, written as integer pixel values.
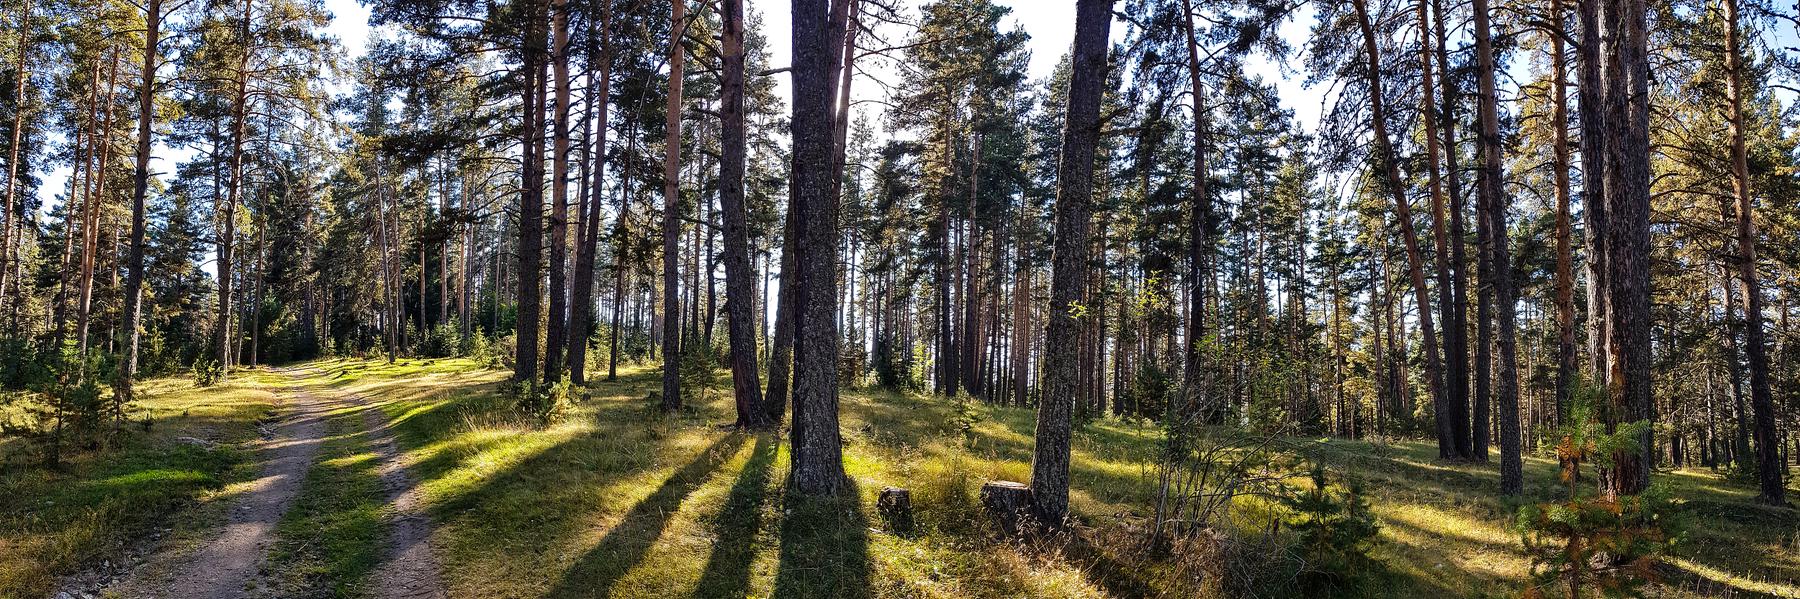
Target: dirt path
(410, 569)
(226, 566)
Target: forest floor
(427, 458)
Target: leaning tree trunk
(817, 466)
(1447, 435)
(581, 308)
(1384, 154)
(134, 260)
(1627, 142)
(1492, 190)
(671, 224)
(1769, 468)
(740, 280)
(1068, 284)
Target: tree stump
(895, 505)
(1008, 503)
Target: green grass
(54, 521)
(618, 500)
(333, 535)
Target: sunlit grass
(615, 499)
(52, 522)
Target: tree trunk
(90, 236)
(1456, 331)
(817, 465)
(1386, 159)
(671, 220)
(1448, 434)
(1592, 94)
(11, 219)
(531, 203)
(1074, 193)
(556, 333)
(581, 309)
(1565, 276)
(740, 283)
(1627, 144)
(1199, 258)
(1492, 188)
(1769, 468)
(134, 262)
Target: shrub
(1335, 531)
(207, 371)
(442, 341)
(544, 404)
(492, 353)
(1609, 544)
(698, 369)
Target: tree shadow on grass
(824, 547)
(626, 544)
(739, 522)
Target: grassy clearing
(617, 500)
(52, 522)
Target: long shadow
(740, 520)
(824, 547)
(626, 544)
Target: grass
(53, 522)
(332, 536)
(618, 500)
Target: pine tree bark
(1211, 409)
(781, 345)
(1456, 329)
(671, 219)
(228, 213)
(10, 218)
(556, 333)
(1447, 434)
(1769, 467)
(1566, 360)
(817, 466)
(1627, 144)
(531, 202)
(131, 326)
(740, 282)
(1074, 193)
(90, 236)
(1591, 94)
(1492, 188)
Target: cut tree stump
(895, 505)
(1008, 503)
